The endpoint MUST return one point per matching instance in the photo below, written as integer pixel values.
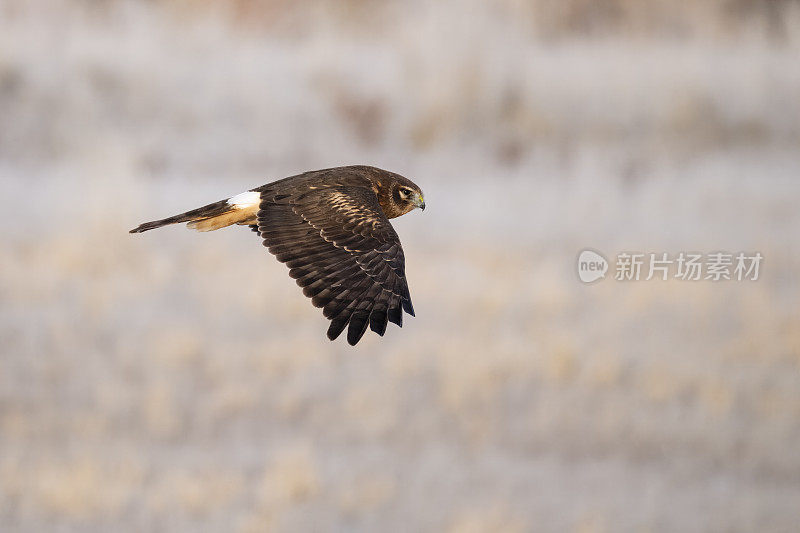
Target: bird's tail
(241, 209)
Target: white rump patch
(245, 200)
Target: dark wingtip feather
(378, 321)
(358, 325)
(144, 227)
(408, 307)
(395, 316)
(337, 327)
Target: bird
(331, 228)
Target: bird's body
(331, 227)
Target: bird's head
(400, 195)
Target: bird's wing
(341, 248)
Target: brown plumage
(331, 228)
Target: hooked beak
(419, 201)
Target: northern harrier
(331, 228)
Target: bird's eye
(404, 192)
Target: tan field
(180, 381)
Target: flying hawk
(331, 228)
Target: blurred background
(176, 381)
